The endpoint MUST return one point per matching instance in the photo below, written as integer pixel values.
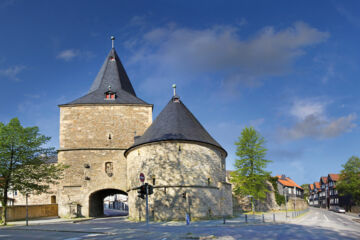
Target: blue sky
(290, 69)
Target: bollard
(273, 217)
(263, 218)
(245, 218)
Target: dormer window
(110, 95)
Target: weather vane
(174, 87)
(112, 41)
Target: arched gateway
(96, 201)
(95, 131)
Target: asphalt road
(316, 224)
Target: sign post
(142, 179)
(147, 203)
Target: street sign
(142, 177)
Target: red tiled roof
(334, 177)
(324, 179)
(317, 185)
(311, 186)
(288, 182)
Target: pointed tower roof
(112, 78)
(176, 122)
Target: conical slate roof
(111, 77)
(176, 122)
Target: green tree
(349, 182)
(306, 190)
(250, 176)
(23, 162)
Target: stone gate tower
(95, 131)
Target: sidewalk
(41, 221)
(244, 219)
(280, 217)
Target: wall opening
(53, 199)
(108, 202)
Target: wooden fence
(14, 213)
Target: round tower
(185, 165)
(95, 131)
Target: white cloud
(12, 72)
(70, 54)
(222, 49)
(330, 73)
(313, 122)
(302, 109)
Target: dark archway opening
(108, 202)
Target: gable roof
(324, 180)
(287, 182)
(317, 185)
(311, 186)
(176, 122)
(334, 177)
(112, 76)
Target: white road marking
(326, 218)
(75, 238)
(93, 235)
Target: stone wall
(298, 204)
(36, 199)
(177, 168)
(14, 213)
(243, 204)
(89, 126)
(92, 142)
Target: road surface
(316, 224)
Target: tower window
(110, 96)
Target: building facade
(324, 195)
(107, 139)
(286, 186)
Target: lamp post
(285, 193)
(295, 198)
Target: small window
(208, 181)
(53, 199)
(110, 95)
(153, 181)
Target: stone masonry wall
(91, 137)
(89, 126)
(179, 167)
